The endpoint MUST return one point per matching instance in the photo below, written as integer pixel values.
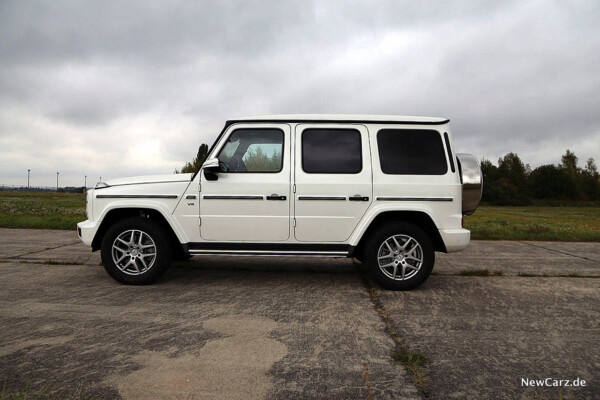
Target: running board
(270, 250)
(259, 253)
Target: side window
(411, 152)
(253, 150)
(331, 151)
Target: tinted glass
(253, 150)
(331, 151)
(411, 152)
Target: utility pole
(28, 171)
(85, 185)
(57, 181)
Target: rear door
(333, 180)
(250, 200)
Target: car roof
(350, 118)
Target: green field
(49, 210)
(573, 224)
(43, 210)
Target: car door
(333, 180)
(250, 200)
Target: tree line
(512, 182)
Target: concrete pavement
(271, 328)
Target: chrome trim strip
(321, 198)
(280, 253)
(415, 199)
(209, 197)
(138, 183)
(136, 196)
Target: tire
(401, 247)
(136, 251)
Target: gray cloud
(114, 89)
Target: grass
(48, 393)
(41, 210)
(574, 224)
(480, 272)
(570, 275)
(416, 363)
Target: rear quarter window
(411, 152)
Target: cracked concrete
(483, 334)
(265, 330)
(294, 328)
(233, 367)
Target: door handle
(358, 197)
(276, 197)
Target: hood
(149, 179)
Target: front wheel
(136, 251)
(399, 256)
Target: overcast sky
(113, 88)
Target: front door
(250, 200)
(333, 181)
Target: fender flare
(155, 206)
(375, 212)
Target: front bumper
(87, 230)
(455, 239)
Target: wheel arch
(418, 218)
(117, 214)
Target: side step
(270, 250)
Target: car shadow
(201, 265)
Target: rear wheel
(136, 251)
(399, 256)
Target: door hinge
(199, 221)
(199, 187)
(294, 188)
(294, 222)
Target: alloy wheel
(134, 252)
(400, 257)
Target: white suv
(388, 190)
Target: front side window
(331, 151)
(253, 150)
(411, 152)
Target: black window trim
(449, 150)
(256, 129)
(406, 129)
(333, 128)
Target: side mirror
(210, 169)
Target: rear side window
(411, 152)
(331, 151)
